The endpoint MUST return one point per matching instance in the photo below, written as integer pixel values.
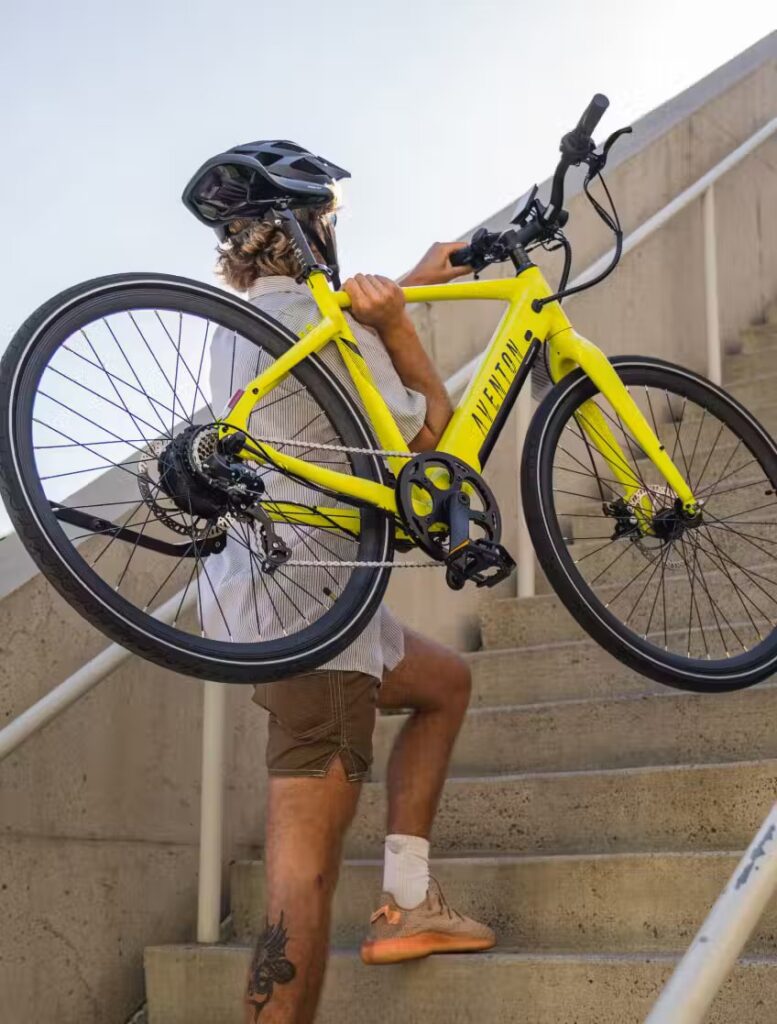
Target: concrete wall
(99, 812)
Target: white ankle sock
(406, 869)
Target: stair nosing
(534, 858)
(633, 770)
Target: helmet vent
(306, 166)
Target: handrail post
(714, 358)
(713, 953)
(211, 812)
(526, 581)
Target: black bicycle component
(480, 561)
(508, 400)
(190, 489)
(440, 499)
(592, 115)
(210, 545)
(540, 224)
(276, 553)
(598, 160)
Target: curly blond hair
(257, 248)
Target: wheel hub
(667, 525)
(182, 475)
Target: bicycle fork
(568, 350)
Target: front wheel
(692, 604)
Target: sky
(443, 110)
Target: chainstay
(383, 453)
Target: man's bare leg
(435, 683)
(307, 820)
(414, 919)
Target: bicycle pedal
(483, 562)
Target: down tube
(481, 415)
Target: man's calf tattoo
(269, 966)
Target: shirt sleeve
(408, 407)
(300, 314)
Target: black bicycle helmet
(247, 181)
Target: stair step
(680, 807)
(610, 732)
(542, 904)
(759, 356)
(204, 985)
(621, 559)
(750, 390)
(758, 337)
(569, 670)
(511, 622)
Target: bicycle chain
(384, 453)
(155, 448)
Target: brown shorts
(316, 716)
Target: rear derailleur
(205, 477)
(441, 502)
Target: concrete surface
(677, 807)
(542, 904)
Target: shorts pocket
(303, 706)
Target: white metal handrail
(682, 1003)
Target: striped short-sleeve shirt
(233, 364)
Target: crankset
(450, 512)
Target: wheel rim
(108, 385)
(705, 593)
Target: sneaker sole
(415, 947)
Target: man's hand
(376, 301)
(435, 267)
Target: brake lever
(596, 161)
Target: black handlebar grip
(592, 115)
(460, 258)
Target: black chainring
(430, 527)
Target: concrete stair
(592, 817)
(203, 984)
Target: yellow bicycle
(649, 492)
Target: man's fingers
(370, 286)
(356, 293)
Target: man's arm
(379, 303)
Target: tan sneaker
(431, 927)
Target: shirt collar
(276, 283)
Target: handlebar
(460, 258)
(592, 115)
(576, 146)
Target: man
(321, 723)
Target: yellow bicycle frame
(476, 421)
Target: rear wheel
(106, 418)
(691, 604)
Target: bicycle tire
(546, 529)
(86, 592)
